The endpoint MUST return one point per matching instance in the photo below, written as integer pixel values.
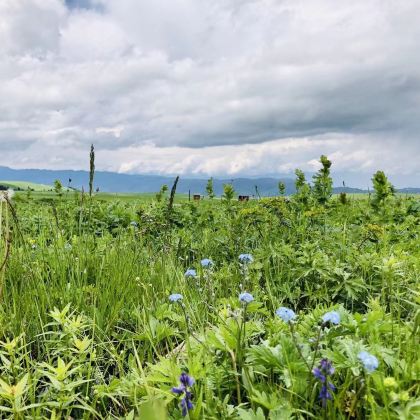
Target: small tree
(343, 198)
(303, 189)
(383, 189)
(282, 188)
(228, 192)
(323, 182)
(161, 193)
(210, 188)
(58, 187)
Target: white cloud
(225, 87)
(115, 131)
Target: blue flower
(333, 317)
(369, 361)
(324, 369)
(246, 258)
(206, 263)
(327, 367)
(325, 394)
(286, 314)
(318, 374)
(246, 297)
(175, 297)
(190, 273)
(186, 382)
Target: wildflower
(321, 373)
(246, 297)
(175, 297)
(6, 195)
(134, 224)
(246, 258)
(206, 263)
(333, 317)
(285, 314)
(390, 382)
(369, 361)
(186, 382)
(190, 273)
(404, 396)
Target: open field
(48, 196)
(106, 301)
(23, 185)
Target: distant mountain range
(115, 182)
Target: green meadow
(145, 306)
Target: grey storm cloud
(190, 81)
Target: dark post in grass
(172, 196)
(91, 169)
(257, 193)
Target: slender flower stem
(187, 321)
(318, 338)
(292, 331)
(235, 368)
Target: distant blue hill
(115, 182)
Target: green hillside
(24, 185)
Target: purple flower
(318, 374)
(286, 314)
(324, 369)
(327, 367)
(325, 394)
(333, 317)
(186, 382)
(246, 297)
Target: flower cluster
(190, 273)
(186, 382)
(175, 297)
(321, 373)
(206, 263)
(369, 361)
(246, 258)
(286, 314)
(246, 297)
(332, 317)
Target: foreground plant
(184, 390)
(322, 374)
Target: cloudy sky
(221, 87)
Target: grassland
(24, 185)
(107, 301)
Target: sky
(222, 88)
